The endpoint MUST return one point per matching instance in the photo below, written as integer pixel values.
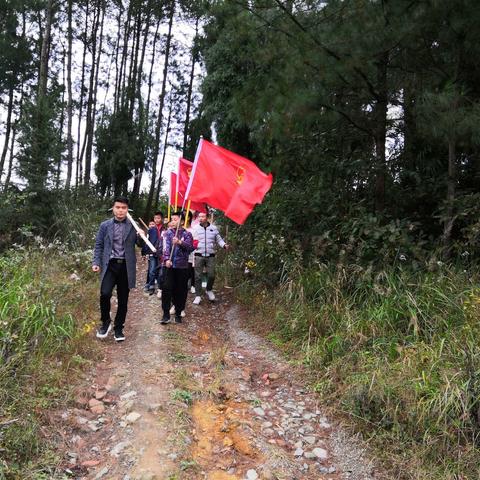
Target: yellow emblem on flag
(189, 172)
(240, 175)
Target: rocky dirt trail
(204, 399)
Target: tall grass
(45, 313)
(398, 352)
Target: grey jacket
(207, 239)
(103, 249)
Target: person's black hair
(158, 213)
(180, 214)
(121, 199)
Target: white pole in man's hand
(141, 233)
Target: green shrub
(397, 351)
(44, 317)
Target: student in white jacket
(206, 238)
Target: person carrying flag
(177, 247)
(208, 238)
(191, 258)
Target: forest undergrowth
(395, 352)
(48, 307)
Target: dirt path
(200, 400)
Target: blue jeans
(155, 272)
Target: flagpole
(143, 223)
(141, 233)
(170, 199)
(177, 185)
(186, 215)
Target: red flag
(173, 188)
(184, 172)
(227, 181)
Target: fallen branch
(8, 422)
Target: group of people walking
(181, 254)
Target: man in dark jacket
(177, 247)
(114, 257)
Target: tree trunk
(79, 169)
(8, 128)
(14, 133)
(39, 165)
(409, 137)
(123, 60)
(62, 120)
(10, 160)
(146, 114)
(131, 92)
(144, 48)
(165, 145)
(69, 98)
(91, 129)
(150, 76)
(106, 95)
(20, 111)
(451, 191)
(132, 75)
(166, 61)
(380, 133)
(88, 130)
(45, 53)
(117, 69)
(143, 122)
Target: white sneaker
(182, 314)
(197, 300)
(192, 289)
(159, 294)
(172, 310)
(104, 330)
(210, 295)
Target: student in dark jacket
(114, 257)
(177, 247)
(145, 255)
(155, 235)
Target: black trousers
(191, 274)
(174, 290)
(116, 275)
